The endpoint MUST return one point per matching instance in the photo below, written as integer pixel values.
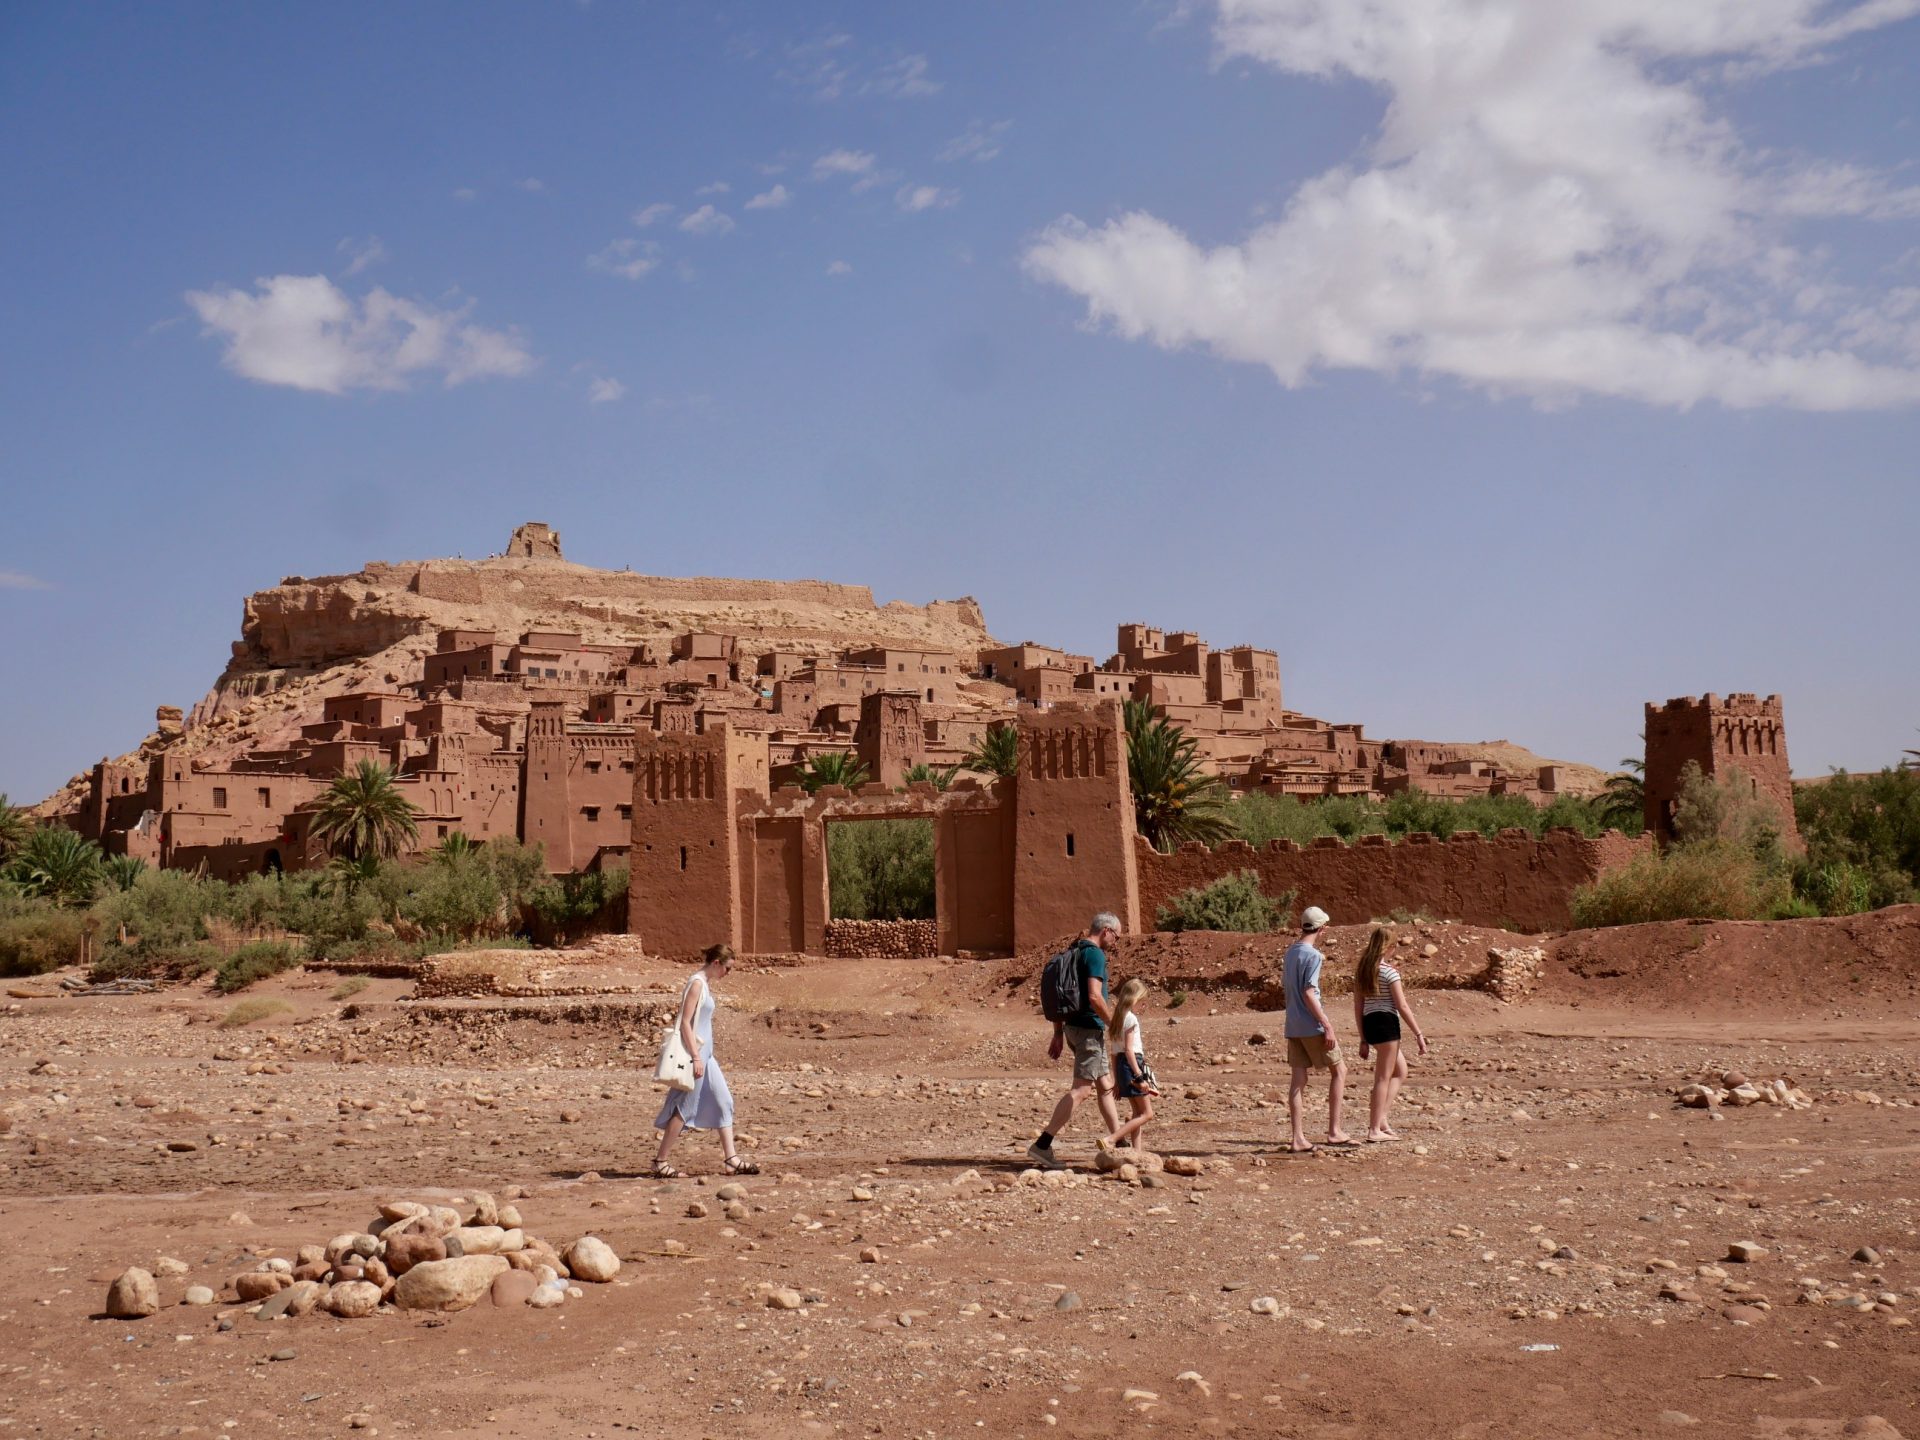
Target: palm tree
(363, 813)
(122, 870)
(350, 872)
(14, 827)
(57, 864)
(996, 753)
(454, 849)
(1623, 804)
(938, 777)
(1174, 798)
(835, 767)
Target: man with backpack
(1073, 994)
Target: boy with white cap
(1310, 1040)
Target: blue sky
(1502, 368)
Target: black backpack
(1063, 985)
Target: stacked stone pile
(882, 939)
(1732, 1088)
(416, 1255)
(1513, 974)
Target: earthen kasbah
(513, 695)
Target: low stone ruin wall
(882, 939)
(1511, 882)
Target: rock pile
(1513, 974)
(417, 1255)
(882, 939)
(1733, 1088)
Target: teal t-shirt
(1093, 965)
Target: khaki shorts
(1314, 1052)
(1089, 1049)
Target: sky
(1502, 365)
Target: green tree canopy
(833, 767)
(996, 753)
(1174, 798)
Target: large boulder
(133, 1296)
(591, 1258)
(447, 1284)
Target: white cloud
(717, 187)
(835, 67)
(772, 199)
(1551, 207)
(839, 267)
(627, 258)
(843, 162)
(533, 185)
(915, 198)
(707, 221)
(906, 78)
(980, 141)
(604, 390)
(466, 192)
(649, 214)
(303, 331)
(361, 253)
(19, 580)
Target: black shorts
(1380, 1027)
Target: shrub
(163, 910)
(566, 904)
(37, 936)
(1706, 880)
(349, 987)
(881, 870)
(333, 919)
(1835, 888)
(254, 962)
(456, 896)
(248, 1011)
(1233, 902)
(1870, 823)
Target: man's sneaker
(1045, 1159)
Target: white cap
(1314, 918)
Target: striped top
(1380, 1002)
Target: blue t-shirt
(1093, 966)
(1299, 973)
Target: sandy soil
(1547, 1189)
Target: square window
(219, 798)
(592, 812)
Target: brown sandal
(664, 1171)
(737, 1166)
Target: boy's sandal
(664, 1171)
(737, 1166)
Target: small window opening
(1069, 842)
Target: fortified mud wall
(1513, 881)
(870, 939)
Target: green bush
(564, 904)
(333, 919)
(881, 870)
(254, 962)
(163, 910)
(1259, 818)
(1706, 880)
(37, 936)
(1233, 902)
(248, 1011)
(458, 897)
(1835, 888)
(1870, 823)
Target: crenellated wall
(1512, 881)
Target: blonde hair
(1366, 975)
(717, 955)
(1123, 1003)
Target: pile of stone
(1733, 1088)
(882, 939)
(417, 1255)
(1513, 974)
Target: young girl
(1132, 1081)
(709, 1105)
(1379, 1007)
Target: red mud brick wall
(1512, 881)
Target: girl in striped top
(1379, 1007)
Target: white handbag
(675, 1069)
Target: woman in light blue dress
(709, 1105)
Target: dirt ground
(1497, 1273)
